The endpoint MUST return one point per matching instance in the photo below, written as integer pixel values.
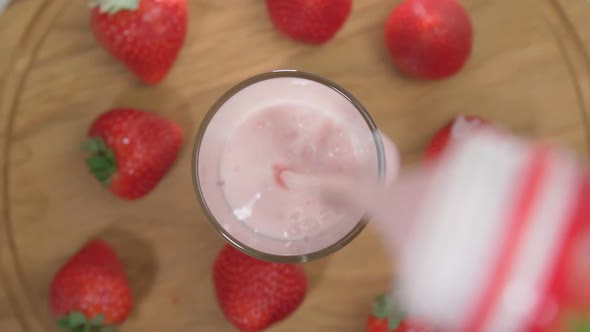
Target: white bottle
(494, 237)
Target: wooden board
(529, 71)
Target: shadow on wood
(315, 271)
(138, 257)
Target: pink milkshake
(275, 127)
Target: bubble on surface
(294, 230)
(295, 217)
(310, 226)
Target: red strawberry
(429, 39)
(385, 318)
(310, 21)
(91, 292)
(132, 150)
(255, 294)
(146, 35)
(456, 129)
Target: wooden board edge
(11, 277)
(577, 60)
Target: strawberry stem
(114, 6)
(384, 307)
(78, 322)
(102, 163)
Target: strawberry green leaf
(114, 6)
(384, 307)
(102, 163)
(98, 320)
(78, 322)
(394, 321)
(93, 145)
(74, 321)
(77, 318)
(64, 323)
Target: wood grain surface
(529, 71)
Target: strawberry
(429, 39)
(255, 294)
(310, 21)
(386, 318)
(146, 35)
(91, 292)
(456, 129)
(132, 150)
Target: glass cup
(265, 91)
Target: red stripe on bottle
(534, 176)
(556, 288)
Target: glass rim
(302, 258)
